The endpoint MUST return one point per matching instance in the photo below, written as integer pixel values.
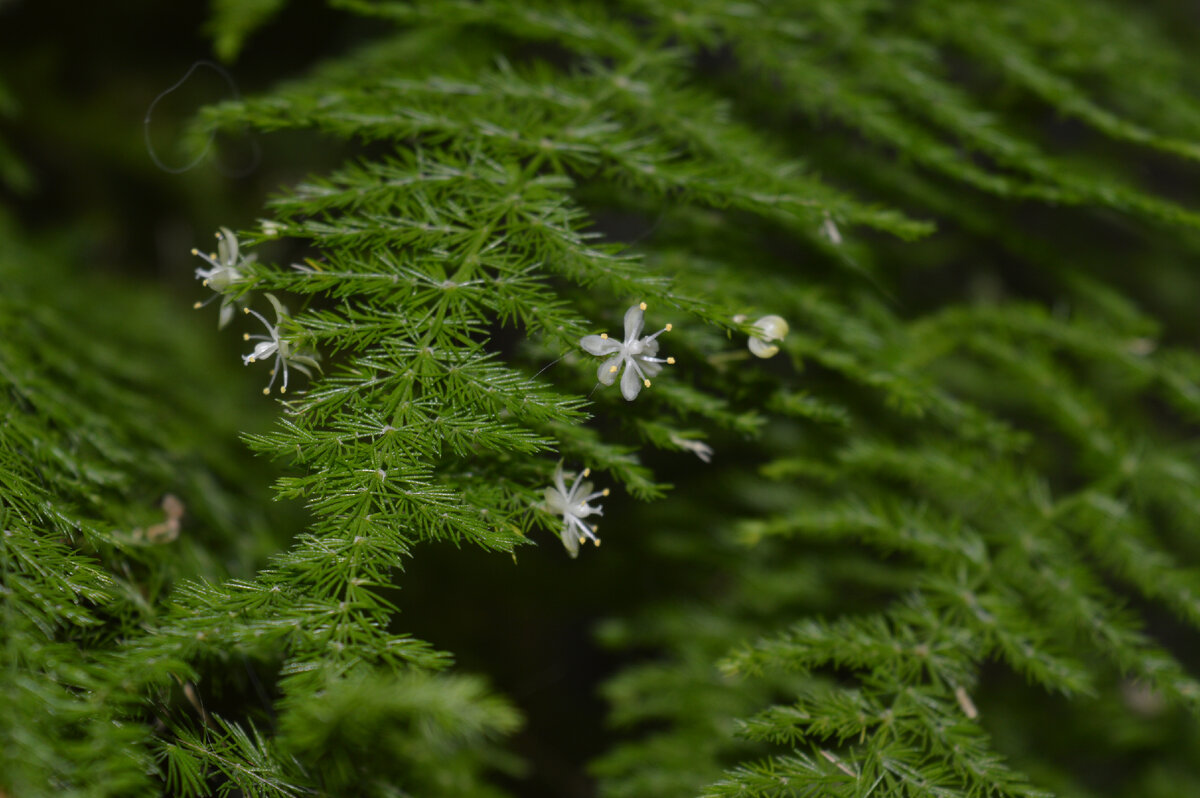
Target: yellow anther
(250, 359)
(612, 370)
(583, 540)
(246, 311)
(669, 327)
(605, 492)
(586, 471)
(670, 361)
(283, 390)
(642, 306)
(266, 391)
(604, 336)
(597, 543)
(197, 305)
(647, 383)
(195, 251)
(204, 283)
(245, 336)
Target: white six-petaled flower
(636, 353)
(226, 265)
(281, 348)
(573, 506)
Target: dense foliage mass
(941, 541)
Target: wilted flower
(635, 353)
(698, 448)
(771, 328)
(168, 530)
(830, 230)
(573, 506)
(226, 266)
(273, 344)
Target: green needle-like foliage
(946, 544)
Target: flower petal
(227, 247)
(220, 279)
(577, 493)
(570, 539)
(300, 367)
(553, 501)
(559, 483)
(226, 315)
(762, 349)
(264, 349)
(607, 373)
(631, 383)
(634, 321)
(599, 345)
(772, 327)
(280, 310)
(649, 368)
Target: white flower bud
(770, 328)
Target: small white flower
(226, 266)
(273, 344)
(573, 506)
(636, 353)
(770, 328)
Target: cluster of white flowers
(637, 356)
(635, 359)
(226, 266)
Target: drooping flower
(698, 448)
(636, 353)
(168, 530)
(771, 328)
(273, 344)
(829, 229)
(573, 506)
(226, 265)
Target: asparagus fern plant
(902, 490)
